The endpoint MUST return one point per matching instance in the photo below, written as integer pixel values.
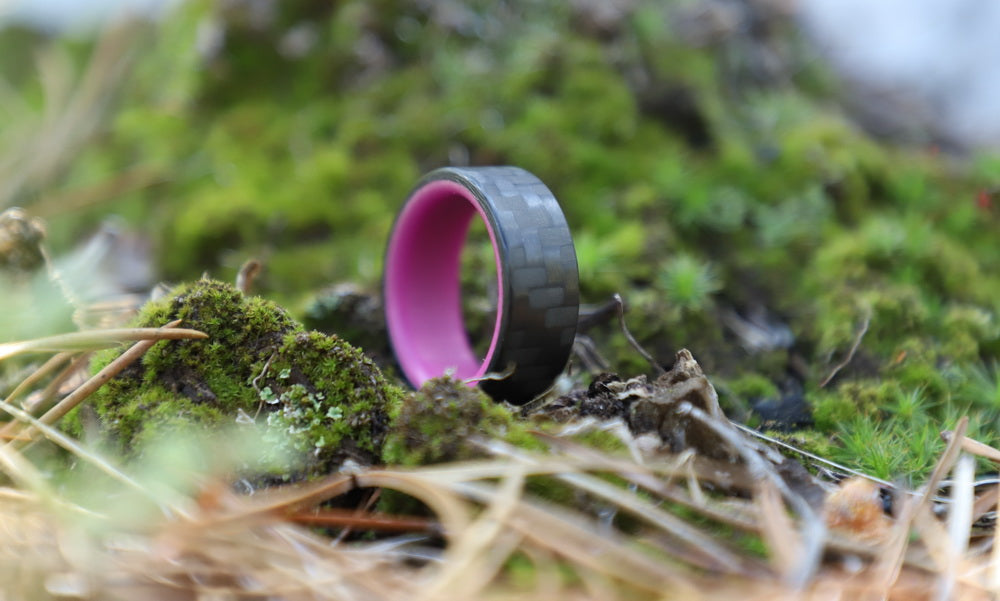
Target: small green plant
(891, 448)
(688, 283)
(981, 386)
(910, 405)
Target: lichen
(316, 399)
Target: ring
(538, 292)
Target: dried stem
(850, 354)
(247, 274)
(341, 518)
(46, 368)
(96, 339)
(631, 339)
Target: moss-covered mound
(442, 421)
(317, 399)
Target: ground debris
(856, 506)
(657, 416)
(651, 407)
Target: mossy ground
(699, 182)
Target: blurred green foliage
(698, 181)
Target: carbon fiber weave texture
(540, 277)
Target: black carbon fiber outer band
(540, 277)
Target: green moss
(917, 363)
(891, 448)
(602, 440)
(443, 421)
(810, 441)
(440, 421)
(865, 399)
(966, 330)
(316, 399)
(748, 542)
(688, 283)
(752, 386)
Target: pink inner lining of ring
(422, 296)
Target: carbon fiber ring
(537, 281)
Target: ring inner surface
(423, 296)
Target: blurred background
(778, 185)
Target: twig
(247, 274)
(784, 545)
(361, 511)
(592, 316)
(96, 339)
(959, 523)
(586, 350)
(695, 539)
(812, 456)
(22, 471)
(974, 447)
(569, 536)
(631, 340)
(467, 566)
(850, 354)
(6, 432)
(267, 365)
(657, 478)
(52, 388)
(346, 518)
(994, 569)
(49, 366)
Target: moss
(865, 399)
(316, 399)
(602, 440)
(917, 363)
(810, 441)
(966, 330)
(891, 448)
(752, 386)
(688, 283)
(441, 421)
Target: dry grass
(37, 145)
(657, 529)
